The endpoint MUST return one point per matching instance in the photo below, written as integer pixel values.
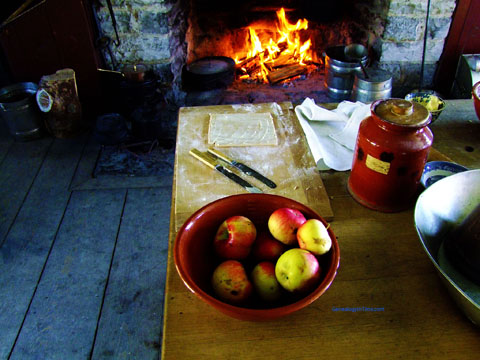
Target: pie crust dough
(246, 129)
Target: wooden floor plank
(26, 247)
(17, 172)
(5, 144)
(63, 315)
(131, 321)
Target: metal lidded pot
(375, 85)
(340, 70)
(390, 153)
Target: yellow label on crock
(377, 165)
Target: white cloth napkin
(331, 134)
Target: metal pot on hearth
(340, 70)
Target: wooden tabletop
(386, 301)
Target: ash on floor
(137, 159)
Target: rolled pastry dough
(245, 129)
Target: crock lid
(402, 112)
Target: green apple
(283, 224)
(265, 282)
(230, 282)
(314, 237)
(297, 270)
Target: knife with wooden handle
(212, 162)
(242, 167)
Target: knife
(244, 168)
(212, 162)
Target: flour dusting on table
(288, 163)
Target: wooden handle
(220, 155)
(204, 157)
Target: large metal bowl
(440, 208)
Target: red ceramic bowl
(195, 259)
(476, 98)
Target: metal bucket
(19, 109)
(377, 86)
(340, 72)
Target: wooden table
(383, 267)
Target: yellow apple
(314, 237)
(297, 270)
(265, 282)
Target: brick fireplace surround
(156, 33)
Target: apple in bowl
(234, 238)
(230, 282)
(265, 281)
(313, 236)
(266, 247)
(297, 270)
(283, 224)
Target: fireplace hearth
(278, 46)
(222, 28)
(168, 34)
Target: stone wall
(153, 32)
(401, 46)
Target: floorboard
(62, 318)
(82, 260)
(5, 144)
(17, 173)
(27, 245)
(131, 321)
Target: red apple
(283, 224)
(230, 282)
(297, 270)
(265, 282)
(234, 238)
(314, 237)
(266, 247)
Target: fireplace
(167, 34)
(221, 27)
(254, 33)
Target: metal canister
(340, 72)
(20, 111)
(374, 85)
(390, 153)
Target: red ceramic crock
(390, 154)
(476, 98)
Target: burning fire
(276, 60)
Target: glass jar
(390, 154)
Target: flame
(287, 48)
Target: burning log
(282, 60)
(286, 72)
(248, 66)
(253, 59)
(276, 60)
